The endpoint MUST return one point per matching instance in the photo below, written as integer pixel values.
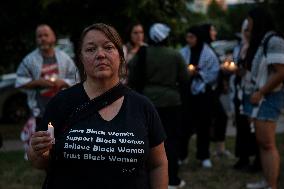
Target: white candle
(51, 131)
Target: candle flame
(191, 67)
(52, 79)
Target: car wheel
(15, 109)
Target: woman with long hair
(106, 135)
(135, 39)
(265, 63)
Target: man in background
(44, 72)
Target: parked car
(13, 102)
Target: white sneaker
(181, 185)
(206, 163)
(257, 185)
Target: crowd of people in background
(188, 91)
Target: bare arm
(276, 78)
(158, 164)
(38, 152)
(38, 83)
(58, 83)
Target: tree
(217, 16)
(69, 17)
(17, 31)
(215, 11)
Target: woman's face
(137, 35)
(99, 56)
(191, 39)
(213, 33)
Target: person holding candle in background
(203, 67)
(44, 72)
(107, 135)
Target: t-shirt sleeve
(275, 50)
(155, 128)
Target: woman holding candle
(199, 55)
(107, 136)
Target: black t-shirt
(95, 153)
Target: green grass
(222, 176)
(11, 131)
(16, 173)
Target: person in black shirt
(119, 146)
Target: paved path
(14, 145)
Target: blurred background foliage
(18, 20)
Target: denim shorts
(270, 108)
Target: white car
(13, 102)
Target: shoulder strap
(266, 40)
(89, 108)
(84, 111)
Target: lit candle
(226, 65)
(191, 67)
(232, 66)
(52, 78)
(50, 129)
